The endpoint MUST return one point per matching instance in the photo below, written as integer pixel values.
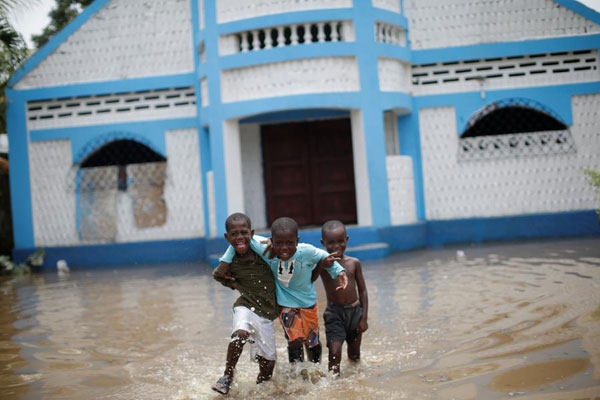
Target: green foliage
(594, 179)
(7, 267)
(13, 51)
(60, 16)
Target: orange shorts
(301, 323)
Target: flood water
(512, 320)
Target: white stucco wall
(510, 186)
(434, 23)
(253, 175)
(125, 39)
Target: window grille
(514, 128)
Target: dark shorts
(341, 322)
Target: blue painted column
(215, 119)
(364, 26)
(20, 187)
(203, 139)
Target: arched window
(512, 128)
(126, 166)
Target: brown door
(309, 172)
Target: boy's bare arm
(325, 262)
(222, 271)
(363, 296)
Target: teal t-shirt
(293, 286)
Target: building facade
(138, 128)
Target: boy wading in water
(346, 313)
(293, 266)
(256, 308)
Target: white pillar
(233, 166)
(361, 174)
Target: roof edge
(581, 9)
(40, 55)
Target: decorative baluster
(320, 32)
(307, 34)
(378, 32)
(347, 34)
(388, 34)
(255, 40)
(280, 37)
(268, 38)
(294, 34)
(335, 37)
(244, 44)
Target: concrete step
(369, 251)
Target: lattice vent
(526, 70)
(85, 110)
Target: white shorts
(261, 330)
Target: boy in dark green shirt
(255, 309)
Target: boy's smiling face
(284, 244)
(238, 235)
(335, 240)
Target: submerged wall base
(365, 242)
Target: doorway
(309, 171)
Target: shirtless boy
(346, 313)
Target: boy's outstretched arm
(324, 263)
(364, 298)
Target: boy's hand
(362, 326)
(328, 261)
(222, 271)
(343, 281)
(268, 249)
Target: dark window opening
(495, 120)
(121, 152)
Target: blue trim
(20, 188)
(392, 51)
(295, 115)
(56, 41)
(581, 9)
(271, 21)
(390, 17)
(153, 252)
(243, 109)
(288, 53)
(203, 140)
(506, 49)
(397, 238)
(409, 139)
(108, 87)
(81, 136)
(575, 223)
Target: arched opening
(122, 167)
(514, 128)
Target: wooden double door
(309, 171)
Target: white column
(233, 166)
(361, 174)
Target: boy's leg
(335, 356)
(314, 353)
(265, 369)
(354, 348)
(295, 351)
(234, 351)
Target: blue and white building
(138, 128)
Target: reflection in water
(501, 320)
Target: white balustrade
(286, 35)
(390, 34)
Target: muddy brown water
(512, 320)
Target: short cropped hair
(284, 224)
(237, 217)
(331, 225)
